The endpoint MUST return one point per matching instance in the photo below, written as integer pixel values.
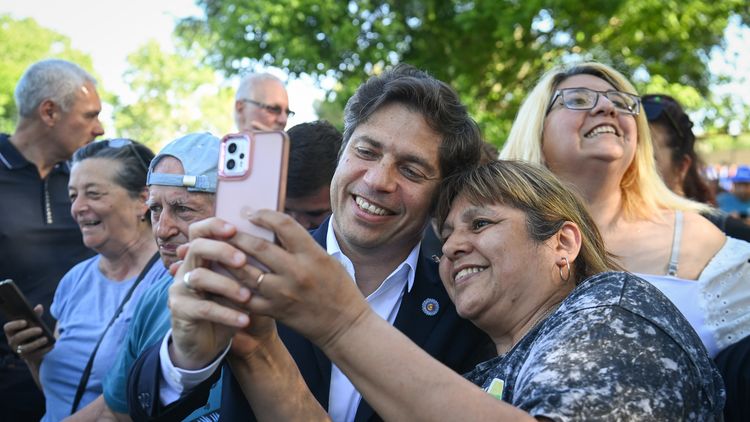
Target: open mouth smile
(601, 130)
(371, 208)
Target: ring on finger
(19, 349)
(259, 280)
(186, 280)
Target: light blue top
(150, 324)
(84, 303)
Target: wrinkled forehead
(180, 196)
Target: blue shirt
(84, 303)
(150, 324)
(730, 203)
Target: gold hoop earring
(567, 264)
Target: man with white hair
(261, 103)
(58, 112)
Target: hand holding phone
(252, 176)
(14, 306)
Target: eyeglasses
(654, 107)
(124, 142)
(273, 109)
(586, 99)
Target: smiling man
(58, 112)
(404, 132)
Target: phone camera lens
(242, 156)
(232, 148)
(230, 164)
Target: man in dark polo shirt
(58, 112)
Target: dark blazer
(447, 337)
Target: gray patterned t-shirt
(615, 349)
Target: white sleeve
(174, 380)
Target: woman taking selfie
(93, 301)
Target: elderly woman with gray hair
(94, 301)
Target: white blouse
(717, 305)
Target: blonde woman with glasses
(585, 123)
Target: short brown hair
(544, 200)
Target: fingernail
(243, 320)
(239, 258)
(244, 293)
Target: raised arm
(259, 360)
(310, 292)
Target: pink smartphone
(252, 176)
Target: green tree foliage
(174, 94)
(23, 42)
(491, 51)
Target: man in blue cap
(182, 185)
(737, 203)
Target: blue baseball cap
(742, 175)
(199, 155)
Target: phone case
(258, 182)
(15, 306)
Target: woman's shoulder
(78, 272)
(701, 241)
(73, 284)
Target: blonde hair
(545, 201)
(643, 191)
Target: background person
(261, 103)
(678, 163)
(524, 262)
(313, 154)
(58, 112)
(584, 123)
(737, 202)
(108, 192)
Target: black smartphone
(14, 306)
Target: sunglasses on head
(655, 107)
(126, 143)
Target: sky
(109, 30)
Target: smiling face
(107, 215)
(574, 139)
(385, 182)
(491, 268)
